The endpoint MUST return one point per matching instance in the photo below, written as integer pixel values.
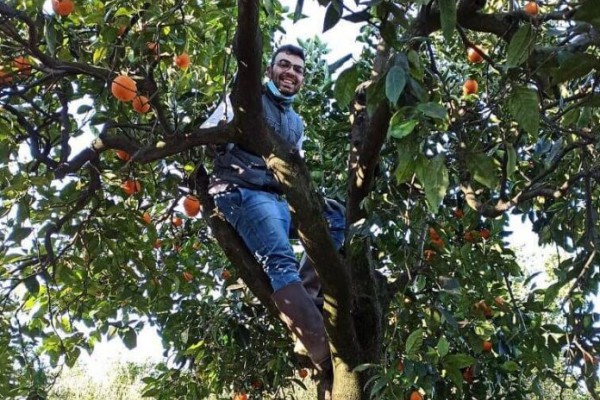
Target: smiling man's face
(287, 73)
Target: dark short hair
(288, 49)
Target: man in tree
(250, 198)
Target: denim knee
(335, 215)
(262, 220)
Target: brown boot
(304, 319)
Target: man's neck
(280, 98)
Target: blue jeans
(263, 221)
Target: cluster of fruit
(19, 66)
(475, 55)
(124, 88)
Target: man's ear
(269, 71)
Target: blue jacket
(236, 167)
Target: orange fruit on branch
(22, 65)
(191, 205)
(187, 276)
(5, 77)
(141, 104)
(152, 47)
(482, 307)
(63, 7)
(240, 396)
(303, 373)
(225, 275)
(400, 366)
(177, 222)
(433, 234)
(469, 375)
(485, 233)
(470, 87)
(123, 88)
(415, 395)
(469, 237)
(147, 218)
(256, 384)
(123, 155)
(474, 56)
(429, 255)
(182, 60)
(439, 242)
(499, 301)
(531, 8)
(487, 346)
(131, 186)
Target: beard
(287, 85)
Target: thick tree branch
(171, 145)
(236, 251)
(246, 93)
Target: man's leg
(262, 220)
(334, 214)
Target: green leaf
(32, 284)
(380, 384)
(406, 162)
(435, 179)
(552, 292)
(269, 7)
(399, 127)
(520, 46)
(395, 81)
(523, 105)
(124, 12)
(458, 361)
(573, 66)
(84, 108)
(588, 11)
(345, 86)
(443, 346)
(51, 37)
(99, 54)
(363, 367)
(447, 17)
(332, 15)
(510, 366)
(456, 377)
(99, 118)
(375, 95)
(414, 342)
(129, 337)
(298, 10)
(511, 164)
(593, 100)
(18, 234)
(483, 169)
(72, 356)
(433, 110)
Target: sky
(340, 39)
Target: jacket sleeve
(300, 141)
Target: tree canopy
(458, 116)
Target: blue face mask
(281, 98)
